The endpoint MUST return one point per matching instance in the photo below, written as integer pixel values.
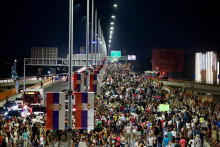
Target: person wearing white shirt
(128, 132)
(187, 126)
(170, 122)
(151, 140)
(82, 143)
(34, 120)
(174, 132)
(16, 124)
(192, 142)
(41, 141)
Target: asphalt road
(57, 86)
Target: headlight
(6, 113)
(14, 107)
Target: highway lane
(57, 86)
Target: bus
(32, 97)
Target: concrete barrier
(7, 93)
(34, 86)
(13, 91)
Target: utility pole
(87, 47)
(92, 32)
(69, 133)
(96, 41)
(24, 77)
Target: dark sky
(140, 26)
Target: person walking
(41, 84)
(25, 138)
(82, 143)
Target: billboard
(206, 67)
(115, 53)
(131, 57)
(168, 60)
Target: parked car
(13, 113)
(3, 111)
(39, 111)
(11, 105)
(19, 101)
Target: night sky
(140, 25)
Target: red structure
(168, 60)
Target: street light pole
(96, 41)
(92, 32)
(87, 46)
(99, 40)
(69, 137)
(24, 77)
(100, 45)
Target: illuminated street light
(110, 41)
(112, 23)
(111, 28)
(113, 16)
(111, 32)
(115, 5)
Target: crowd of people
(127, 115)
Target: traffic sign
(115, 53)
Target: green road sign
(115, 53)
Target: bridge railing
(188, 81)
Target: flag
(84, 114)
(94, 86)
(55, 111)
(96, 72)
(78, 82)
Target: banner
(164, 107)
(94, 86)
(100, 79)
(79, 82)
(17, 86)
(55, 111)
(84, 114)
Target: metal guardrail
(78, 60)
(187, 81)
